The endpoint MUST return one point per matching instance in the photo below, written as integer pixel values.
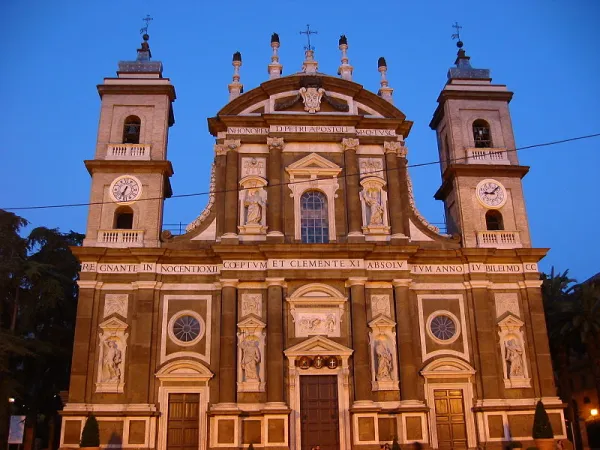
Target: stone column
(391, 149)
(220, 174)
(408, 362)
(360, 341)
(274, 357)
(274, 190)
(231, 188)
(350, 146)
(228, 343)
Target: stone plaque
(371, 167)
(380, 304)
(252, 304)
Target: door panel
(450, 419)
(183, 422)
(319, 415)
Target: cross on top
(308, 32)
(457, 34)
(146, 19)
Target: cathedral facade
(310, 303)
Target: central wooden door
(319, 414)
(183, 422)
(450, 419)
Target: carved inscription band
(366, 132)
(306, 264)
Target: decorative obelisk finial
(345, 69)
(309, 65)
(385, 91)
(235, 87)
(275, 68)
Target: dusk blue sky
(547, 52)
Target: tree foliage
(90, 436)
(542, 428)
(38, 303)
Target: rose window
(443, 327)
(186, 328)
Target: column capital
(356, 281)
(275, 143)
(275, 282)
(220, 150)
(88, 284)
(349, 144)
(232, 144)
(395, 147)
(229, 283)
(404, 282)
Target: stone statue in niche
(514, 358)
(254, 205)
(384, 362)
(111, 362)
(376, 210)
(250, 358)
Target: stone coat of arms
(311, 97)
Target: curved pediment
(312, 95)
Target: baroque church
(310, 303)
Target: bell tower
(130, 171)
(481, 176)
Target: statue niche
(382, 341)
(251, 352)
(253, 206)
(512, 349)
(373, 199)
(111, 356)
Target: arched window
(493, 220)
(131, 130)
(314, 228)
(124, 218)
(482, 134)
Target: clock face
(491, 193)
(126, 189)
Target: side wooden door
(450, 419)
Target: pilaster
(350, 146)
(274, 191)
(220, 179)
(360, 341)
(275, 366)
(228, 342)
(231, 188)
(408, 363)
(393, 178)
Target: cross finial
(456, 35)
(308, 32)
(146, 19)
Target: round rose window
(186, 328)
(443, 327)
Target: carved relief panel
(507, 302)
(384, 366)
(251, 304)
(253, 206)
(317, 310)
(254, 167)
(373, 199)
(371, 167)
(115, 304)
(251, 352)
(380, 305)
(111, 356)
(512, 348)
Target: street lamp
(594, 412)
(12, 400)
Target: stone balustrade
(128, 151)
(487, 156)
(499, 239)
(120, 238)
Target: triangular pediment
(251, 322)
(510, 321)
(318, 345)
(313, 164)
(382, 321)
(113, 324)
